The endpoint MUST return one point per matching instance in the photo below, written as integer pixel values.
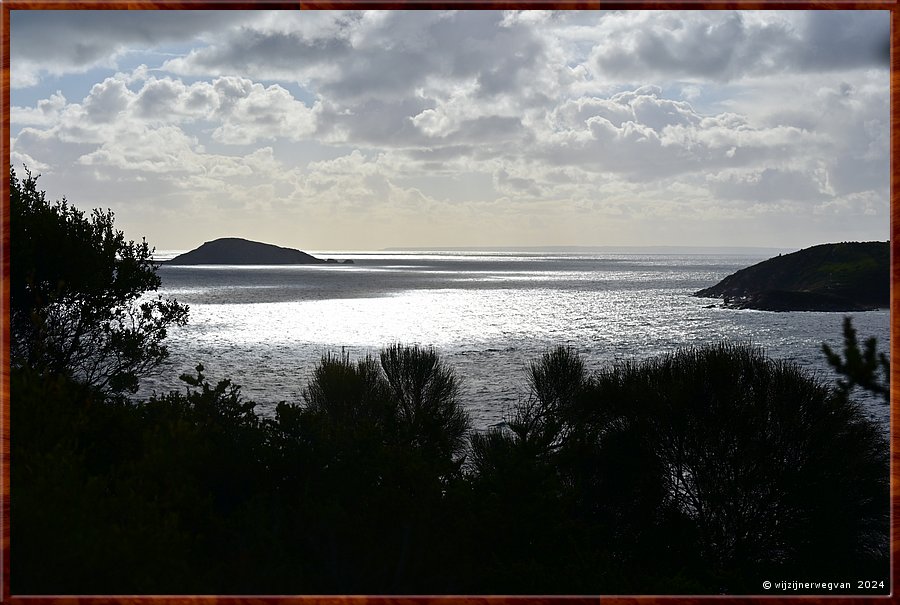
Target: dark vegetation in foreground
(707, 470)
(704, 471)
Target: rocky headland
(849, 276)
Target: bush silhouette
(774, 471)
(425, 393)
(703, 471)
(710, 469)
(862, 368)
(378, 442)
(75, 285)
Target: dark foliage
(754, 455)
(864, 367)
(703, 471)
(78, 299)
(367, 459)
(708, 470)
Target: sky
(361, 130)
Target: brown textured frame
(7, 5)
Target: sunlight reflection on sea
(489, 315)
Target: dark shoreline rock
(850, 276)
(780, 300)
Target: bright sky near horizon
(365, 130)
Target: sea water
(488, 314)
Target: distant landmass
(850, 276)
(736, 250)
(238, 251)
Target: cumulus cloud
(256, 112)
(646, 136)
(243, 111)
(162, 150)
(394, 77)
(106, 100)
(622, 115)
(44, 113)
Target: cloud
(162, 150)
(374, 53)
(771, 185)
(831, 40)
(106, 100)
(729, 45)
(397, 79)
(243, 111)
(850, 116)
(381, 55)
(405, 81)
(44, 113)
(459, 114)
(647, 137)
(271, 55)
(63, 41)
(19, 160)
(261, 113)
(392, 78)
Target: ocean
(488, 314)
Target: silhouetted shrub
(542, 421)
(74, 296)
(426, 395)
(703, 471)
(709, 469)
(862, 368)
(366, 460)
(775, 472)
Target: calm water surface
(488, 314)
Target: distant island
(850, 276)
(238, 251)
